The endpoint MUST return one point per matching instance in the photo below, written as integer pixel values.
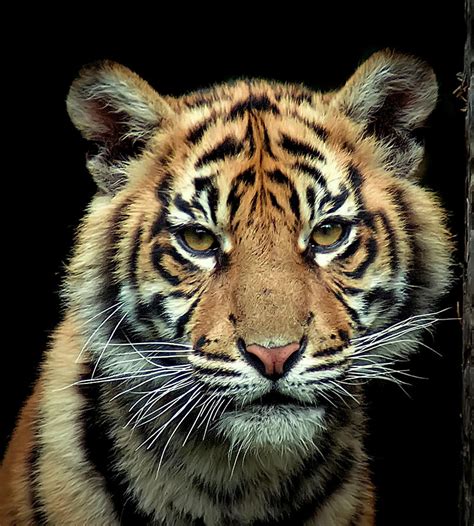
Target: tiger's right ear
(119, 112)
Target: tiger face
(258, 249)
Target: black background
(414, 441)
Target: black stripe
(203, 183)
(311, 200)
(184, 319)
(215, 356)
(160, 223)
(253, 103)
(386, 298)
(100, 451)
(417, 276)
(213, 202)
(156, 307)
(247, 177)
(338, 476)
(392, 242)
(233, 200)
(188, 265)
(157, 254)
(352, 291)
(324, 366)
(215, 371)
(109, 290)
(295, 203)
(37, 507)
(163, 189)
(278, 177)
(296, 147)
(364, 265)
(338, 201)
(356, 180)
(199, 99)
(339, 376)
(352, 313)
(318, 129)
(184, 206)
(196, 134)
(308, 508)
(201, 342)
(329, 351)
(249, 136)
(274, 201)
(312, 172)
(266, 146)
(204, 342)
(229, 147)
(350, 250)
(302, 97)
(134, 253)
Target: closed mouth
(274, 398)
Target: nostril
(272, 362)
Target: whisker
(154, 437)
(133, 360)
(177, 426)
(137, 344)
(91, 337)
(106, 345)
(119, 304)
(133, 387)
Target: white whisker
(91, 337)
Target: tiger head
(267, 244)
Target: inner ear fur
(118, 112)
(391, 95)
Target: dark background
(415, 439)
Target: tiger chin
(255, 253)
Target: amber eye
(198, 239)
(327, 234)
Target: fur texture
(148, 409)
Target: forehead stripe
(295, 203)
(278, 177)
(338, 201)
(313, 172)
(254, 102)
(184, 206)
(274, 202)
(299, 148)
(229, 147)
(195, 135)
(311, 200)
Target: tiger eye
(327, 234)
(198, 239)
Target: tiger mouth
(274, 398)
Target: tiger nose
(272, 362)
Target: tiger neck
(208, 477)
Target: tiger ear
(119, 112)
(391, 96)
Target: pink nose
(272, 359)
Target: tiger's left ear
(391, 96)
(117, 111)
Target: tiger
(256, 252)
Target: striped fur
(147, 409)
